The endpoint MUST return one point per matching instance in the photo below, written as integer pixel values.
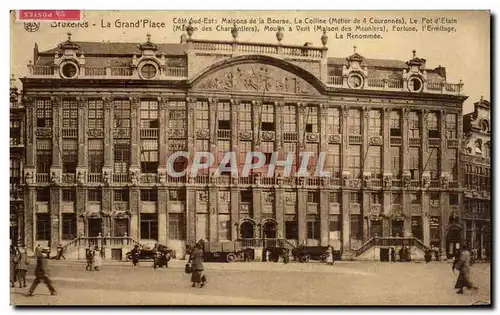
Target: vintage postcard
(250, 158)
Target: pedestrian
(13, 265)
(195, 259)
(286, 256)
(401, 254)
(156, 255)
(97, 258)
(135, 255)
(428, 255)
(60, 252)
(393, 255)
(41, 274)
(462, 264)
(22, 267)
(329, 255)
(90, 259)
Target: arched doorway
(269, 228)
(247, 229)
(453, 239)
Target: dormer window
(415, 84)
(485, 126)
(148, 71)
(355, 81)
(69, 70)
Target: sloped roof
(382, 63)
(109, 48)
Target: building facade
(476, 162)
(103, 118)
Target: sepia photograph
(200, 158)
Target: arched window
(487, 150)
(485, 126)
(479, 147)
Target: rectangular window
(267, 118)
(16, 132)
(333, 121)
(149, 156)
(289, 119)
(69, 195)
(246, 196)
(451, 126)
(355, 197)
(177, 226)
(414, 124)
(69, 155)
(290, 197)
(223, 146)
(332, 162)
(435, 231)
(312, 197)
(69, 114)
(69, 226)
(245, 117)
(267, 147)
(43, 113)
(313, 229)
(453, 199)
(433, 164)
(121, 195)
(374, 161)
(177, 115)
(335, 223)
(396, 161)
(177, 195)
(452, 163)
(121, 156)
(312, 119)
(356, 226)
(313, 148)
(395, 123)
(291, 230)
(375, 123)
(43, 194)
(149, 226)
(433, 125)
(95, 114)
(94, 195)
(224, 116)
(43, 156)
(354, 122)
(415, 199)
(121, 114)
(335, 197)
(96, 155)
(43, 227)
(415, 163)
(202, 115)
(354, 160)
(149, 195)
(224, 227)
(149, 114)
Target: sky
(464, 52)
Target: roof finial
(13, 82)
(69, 36)
(481, 98)
(354, 47)
(149, 37)
(414, 53)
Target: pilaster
(135, 132)
(386, 135)
(280, 211)
(56, 132)
(405, 131)
(302, 215)
(213, 222)
(162, 214)
(30, 133)
(365, 210)
(29, 218)
(108, 131)
(55, 216)
(162, 133)
(190, 215)
(212, 124)
(425, 219)
(80, 209)
(235, 205)
(324, 216)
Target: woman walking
(22, 267)
(195, 259)
(329, 255)
(463, 266)
(97, 258)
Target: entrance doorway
(247, 229)
(397, 228)
(453, 240)
(375, 228)
(94, 227)
(269, 229)
(121, 227)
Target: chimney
(441, 71)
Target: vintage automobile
(219, 251)
(149, 253)
(306, 253)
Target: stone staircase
(114, 247)
(370, 250)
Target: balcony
(452, 143)
(42, 178)
(149, 133)
(396, 141)
(434, 184)
(268, 181)
(121, 71)
(149, 178)
(290, 136)
(95, 178)
(313, 181)
(95, 71)
(434, 142)
(376, 183)
(120, 177)
(202, 179)
(224, 134)
(91, 71)
(176, 180)
(245, 180)
(415, 142)
(335, 181)
(70, 132)
(335, 80)
(376, 83)
(454, 184)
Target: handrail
(391, 241)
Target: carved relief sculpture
(106, 177)
(426, 179)
(55, 178)
(387, 180)
(406, 179)
(345, 177)
(445, 180)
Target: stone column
(135, 134)
(387, 167)
(135, 200)
(257, 209)
(425, 219)
(365, 211)
(324, 214)
(162, 134)
(190, 215)
(162, 214)
(106, 208)
(108, 131)
(80, 209)
(386, 209)
(213, 222)
(302, 214)
(279, 198)
(29, 218)
(235, 204)
(82, 135)
(55, 216)
(444, 166)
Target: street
(257, 283)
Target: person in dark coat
(13, 265)
(22, 267)
(393, 255)
(135, 255)
(60, 252)
(401, 254)
(89, 255)
(41, 274)
(286, 256)
(463, 266)
(195, 259)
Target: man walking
(462, 264)
(60, 252)
(41, 275)
(22, 267)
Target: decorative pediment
(259, 78)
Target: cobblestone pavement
(257, 283)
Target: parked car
(306, 253)
(149, 253)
